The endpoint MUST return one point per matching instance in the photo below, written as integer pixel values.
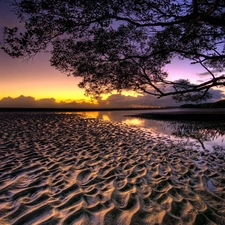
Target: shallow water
(207, 137)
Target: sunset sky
(36, 84)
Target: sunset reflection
(115, 116)
(207, 135)
(90, 114)
(105, 117)
(134, 121)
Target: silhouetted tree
(118, 44)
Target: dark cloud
(21, 101)
(217, 95)
(121, 101)
(207, 73)
(30, 102)
(113, 101)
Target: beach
(59, 168)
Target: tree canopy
(117, 44)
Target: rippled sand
(63, 169)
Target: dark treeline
(218, 104)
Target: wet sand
(65, 169)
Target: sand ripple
(64, 169)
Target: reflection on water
(90, 114)
(120, 116)
(204, 133)
(106, 117)
(208, 135)
(133, 121)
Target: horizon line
(81, 109)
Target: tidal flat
(59, 168)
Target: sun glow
(131, 93)
(125, 93)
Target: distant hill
(218, 104)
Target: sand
(66, 169)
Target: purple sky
(36, 84)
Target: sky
(34, 83)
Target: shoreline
(67, 169)
(192, 115)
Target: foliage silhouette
(116, 45)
